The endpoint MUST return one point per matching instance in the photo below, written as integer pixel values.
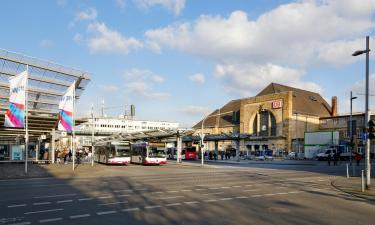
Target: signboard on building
(277, 104)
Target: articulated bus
(112, 152)
(148, 153)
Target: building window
(267, 124)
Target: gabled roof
(304, 102)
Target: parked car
(324, 155)
(291, 155)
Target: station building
(276, 118)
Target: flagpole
(26, 122)
(73, 148)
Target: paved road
(174, 194)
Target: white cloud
(121, 3)
(195, 110)
(45, 43)
(175, 6)
(142, 89)
(288, 34)
(88, 14)
(248, 79)
(78, 38)
(198, 78)
(106, 40)
(109, 88)
(142, 74)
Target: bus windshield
(155, 152)
(122, 151)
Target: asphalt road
(173, 194)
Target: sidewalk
(272, 162)
(352, 186)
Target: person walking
(358, 158)
(335, 159)
(329, 158)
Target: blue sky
(176, 60)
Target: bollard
(347, 170)
(362, 182)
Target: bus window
(155, 152)
(122, 151)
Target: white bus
(112, 152)
(148, 153)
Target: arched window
(267, 124)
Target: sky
(177, 60)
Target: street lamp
(202, 137)
(351, 125)
(367, 113)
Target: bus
(112, 152)
(187, 153)
(148, 153)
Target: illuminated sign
(277, 104)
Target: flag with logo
(66, 109)
(15, 115)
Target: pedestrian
(335, 159)
(222, 155)
(358, 158)
(70, 155)
(215, 156)
(329, 157)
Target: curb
(350, 193)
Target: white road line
(226, 199)
(65, 201)
(173, 204)
(152, 206)
(171, 197)
(280, 187)
(186, 190)
(105, 197)
(200, 189)
(43, 211)
(282, 193)
(157, 192)
(172, 191)
(123, 195)
(190, 203)
(216, 193)
(236, 186)
(106, 212)
(239, 197)
(85, 199)
(41, 203)
(123, 190)
(295, 192)
(50, 220)
(130, 209)
(210, 200)
(14, 206)
(112, 203)
(55, 196)
(79, 216)
(269, 194)
(256, 196)
(225, 187)
(249, 185)
(252, 190)
(23, 223)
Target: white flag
(15, 115)
(66, 109)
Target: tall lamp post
(202, 137)
(367, 113)
(351, 126)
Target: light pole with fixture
(351, 126)
(367, 113)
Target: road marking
(105, 197)
(256, 196)
(43, 211)
(269, 194)
(55, 196)
(112, 203)
(225, 187)
(130, 209)
(14, 206)
(249, 185)
(157, 192)
(239, 197)
(282, 193)
(50, 220)
(64, 201)
(173, 204)
(294, 192)
(211, 200)
(123, 190)
(216, 193)
(106, 212)
(85, 199)
(186, 190)
(123, 195)
(152, 206)
(280, 187)
(41, 203)
(226, 199)
(171, 197)
(200, 189)
(252, 190)
(23, 223)
(236, 186)
(190, 203)
(172, 191)
(79, 216)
